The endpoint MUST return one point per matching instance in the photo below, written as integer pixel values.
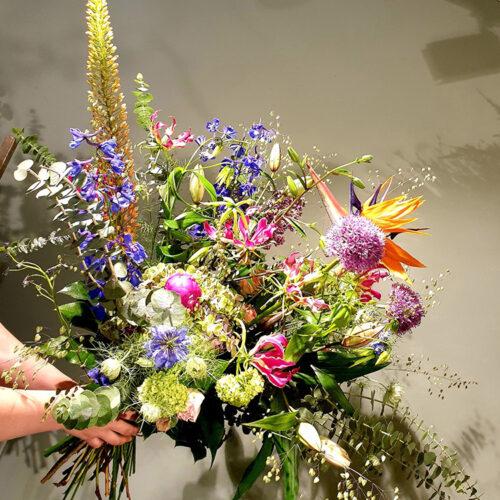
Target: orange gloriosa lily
(389, 215)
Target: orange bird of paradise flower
(389, 215)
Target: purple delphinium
(405, 306)
(98, 377)
(213, 125)
(134, 251)
(168, 346)
(357, 242)
(197, 231)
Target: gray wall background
(416, 84)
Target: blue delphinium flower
(168, 346)
(238, 149)
(229, 132)
(135, 251)
(197, 231)
(98, 377)
(200, 140)
(253, 165)
(246, 189)
(123, 197)
(133, 275)
(259, 132)
(89, 190)
(213, 125)
(221, 189)
(77, 166)
(79, 137)
(87, 238)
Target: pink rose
(185, 285)
(190, 414)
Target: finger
(124, 428)
(128, 415)
(95, 442)
(115, 439)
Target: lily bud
(196, 188)
(334, 453)
(309, 436)
(361, 335)
(295, 187)
(275, 158)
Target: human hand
(116, 433)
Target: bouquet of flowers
(184, 311)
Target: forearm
(22, 412)
(46, 377)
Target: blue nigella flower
(98, 377)
(213, 125)
(168, 346)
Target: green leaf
(289, 455)
(299, 342)
(254, 469)
(184, 221)
(333, 389)
(114, 290)
(280, 422)
(80, 315)
(211, 420)
(76, 290)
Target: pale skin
(22, 410)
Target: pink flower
(262, 233)
(370, 278)
(185, 285)
(267, 357)
(296, 277)
(166, 140)
(190, 414)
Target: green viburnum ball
(239, 390)
(165, 392)
(196, 367)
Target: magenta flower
(185, 285)
(267, 357)
(296, 278)
(368, 280)
(166, 140)
(405, 307)
(260, 235)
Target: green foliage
(254, 469)
(288, 452)
(276, 423)
(333, 389)
(87, 409)
(211, 420)
(29, 145)
(142, 108)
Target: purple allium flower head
(168, 346)
(357, 242)
(405, 306)
(98, 377)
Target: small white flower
(111, 368)
(150, 412)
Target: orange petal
(333, 207)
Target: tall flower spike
(106, 101)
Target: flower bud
(196, 367)
(334, 453)
(361, 335)
(196, 188)
(111, 368)
(150, 412)
(275, 158)
(309, 436)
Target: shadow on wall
(468, 56)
